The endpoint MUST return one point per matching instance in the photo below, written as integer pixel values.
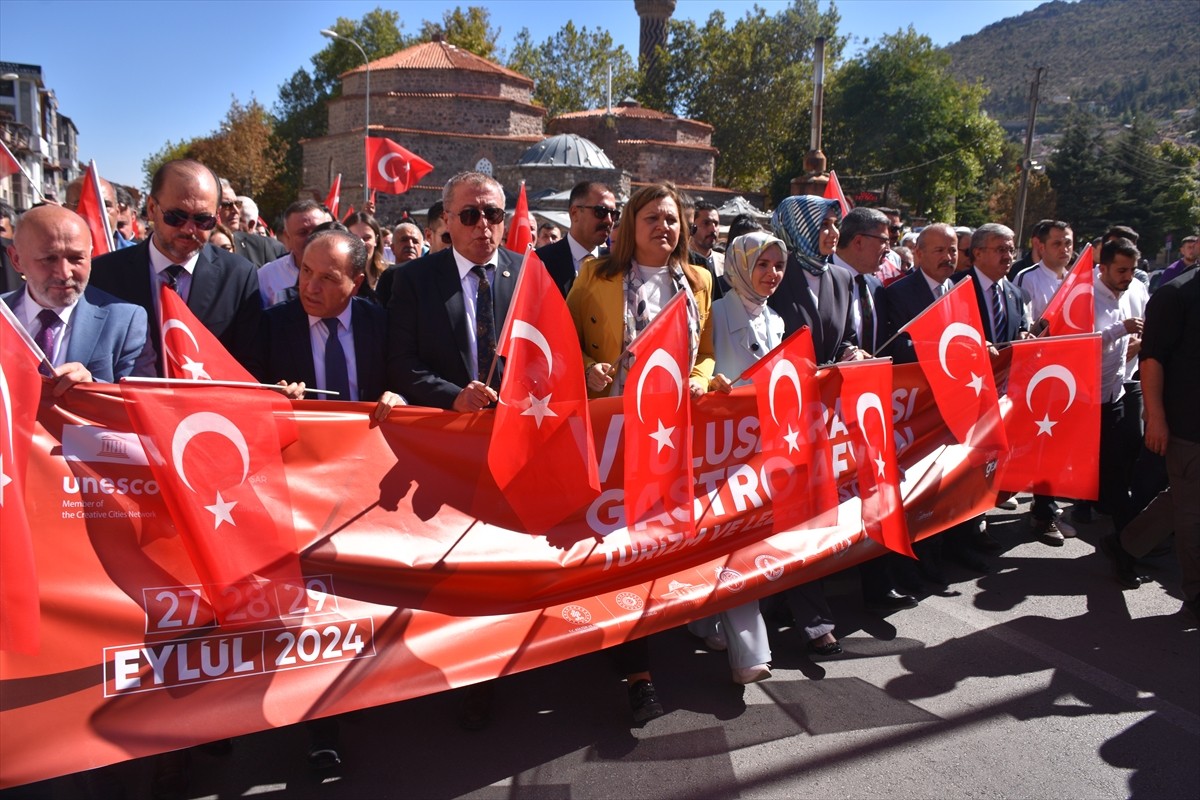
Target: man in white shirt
(1039, 283)
(275, 278)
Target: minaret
(654, 15)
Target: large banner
(414, 574)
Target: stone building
(42, 140)
(451, 107)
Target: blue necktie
(337, 377)
(998, 320)
(485, 325)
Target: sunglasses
(177, 219)
(603, 212)
(231, 204)
(470, 215)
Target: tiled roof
(438, 55)
(631, 111)
(660, 143)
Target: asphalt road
(1040, 679)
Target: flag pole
(21, 167)
(931, 306)
(504, 331)
(11, 318)
(108, 237)
(234, 384)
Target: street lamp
(328, 34)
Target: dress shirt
(579, 252)
(318, 334)
(470, 289)
(159, 277)
(1038, 284)
(275, 278)
(27, 312)
(1111, 312)
(856, 313)
(938, 289)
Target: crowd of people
(411, 315)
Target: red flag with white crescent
(8, 162)
(541, 453)
(833, 191)
(216, 456)
(658, 426)
(394, 169)
(951, 348)
(189, 349)
(1072, 309)
(866, 386)
(1054, 423)
(333, 200)
(795, 441)
(20, 393)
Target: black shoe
(892, 601)
(323, 759)
(476, 711)
(828, 649)
(643, 702)
(1122, 562)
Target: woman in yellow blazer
(615, 298)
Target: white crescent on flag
(1077, 291)
(783, 369)
(1051, 371)
(8, 434)
(206, 422)
(954, 330)
(382, 166)
(191, 366)
(523, 330)
(867, 401)
(660, 359)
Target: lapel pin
(506, 274)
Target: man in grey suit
(87, 335)
(448, 308)
(220, 288)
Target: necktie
(999, 328)
(485, 324)
(337, 378)
(867, 314)
(173, 272)
(48, 334)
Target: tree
(1090, 192)
(469, 30)
(1178, 202)
(895, 118)
(752, 82)
(570, 69)
(170, 151)
(244, 149)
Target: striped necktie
(999, 324)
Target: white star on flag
(220, 510)
(195, 369)
(976, 383)
(539, 409)
(663, 436)
(1045, 424)
(879, 462)
(791, 438)
(4, 480)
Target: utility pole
(1023, 190)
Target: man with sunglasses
(593, 209)
(447, 308)
(220, 288)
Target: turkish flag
(1054, 423)
(541, 453)
(189, 349)
(795, 442)
(951, 348)
(333, 200)
(8, 162)
(833, 191)
(91, 208)
(520, 236)
(216, 456)
(1062, 316)
(20, 393)
(865, 394)
(658, 426)
(394, 169)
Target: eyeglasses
(177, 219)
(231, 204)
(876, 236)
(603, 212)
(470, 215)
(1001, 249)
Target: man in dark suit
(934, 256)
(593, 210)
(1000, 303)
(293, 345)
(220, 288)
(447, 308)
(862, 249)
(87, 335)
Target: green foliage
(1177, 203)
(752, 82)
(896, 119)
(170, 151)
(570, 69)
(469, 30)
(377, 33)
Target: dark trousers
(1120, 441)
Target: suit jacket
(906, 298)
(107, 336)
(283, 350)
(1014, 308)
(429, 352)
(597, 307)
(224, 293)
(879, 300)
(10, 279)
(719, 284)
(258, 250)
(733, 341)
(832, 327)
(559, 263)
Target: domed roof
(566, 150)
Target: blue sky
(133, 75)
